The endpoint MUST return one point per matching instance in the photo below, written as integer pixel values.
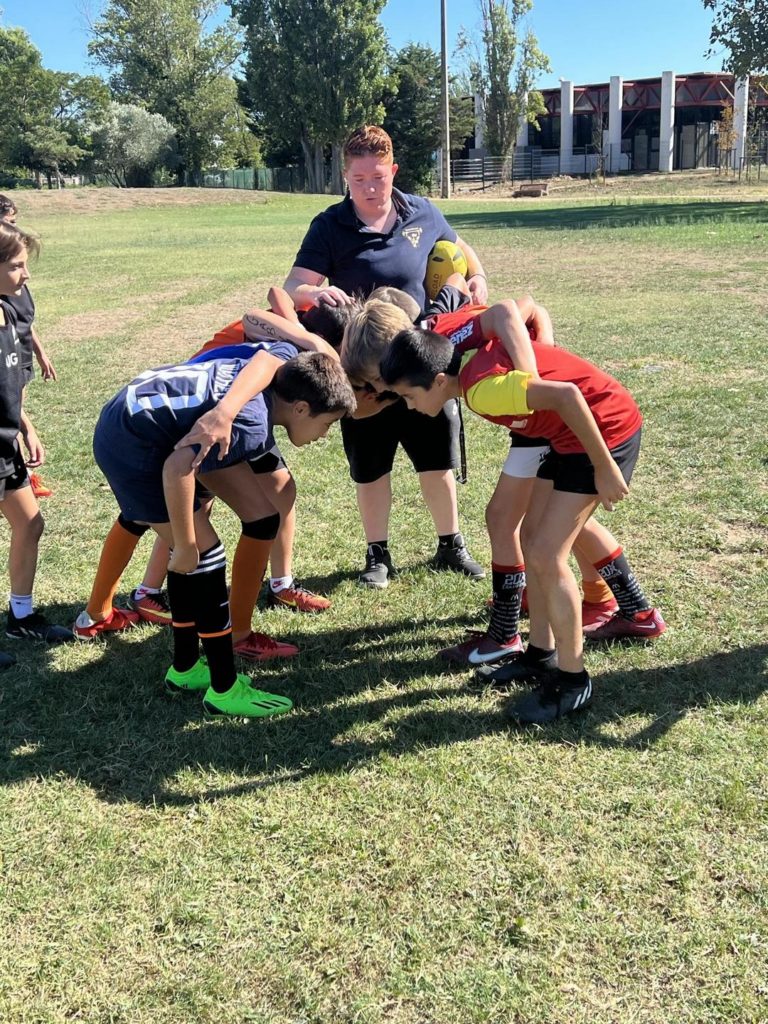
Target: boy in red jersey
(592, 425)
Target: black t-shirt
(351, 256)
(23, 306)
(11, 385)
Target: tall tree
(741, 28)
(46, 115)
(503, 66)
(131, 144)
(167, 56)
(412, 102)
(314, 71)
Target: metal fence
(261, 179)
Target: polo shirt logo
(413, 235)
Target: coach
(376, 236)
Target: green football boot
(196, 678)
(242, 700)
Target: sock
(143, 590)
(539, 656)
(616, 572)
(572, 680)
(383, 544)
(209, 593)
(186, 647)
(450, 540)
(21, 605)
(508, 583)
(248, 568)
(116, 553)
(278, 583)
(596, 591)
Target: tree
(45, 114)
(741, 28)
(163, 55)
(413, 114)
(314, 71)
(131, 144)
(503, 67)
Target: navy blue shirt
(147, 418)
(11, 385)
(351, 256)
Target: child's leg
(553, 521)
(157, 567)
(118, 549)
(241, 489)
(374, 500)
(21, 510)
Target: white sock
(143, 590)
(278, 583)
(21, 605)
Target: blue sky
(586, 40)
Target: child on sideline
(17, 502)
(24, 308)
(135, 445)
(593, 426)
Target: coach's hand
(332, 296)
(214, 427)
(610, 484)
(183, 559)
(478, 289)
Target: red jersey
(613, 407)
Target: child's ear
(439, 381)
(301, 409)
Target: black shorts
(576, 474)
(431, 443)
(17, 479)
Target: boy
(593, 427)
(154, 483)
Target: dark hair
(13, 240)
(7, 206)
(318, 380)
(328, 321)
(416, 356)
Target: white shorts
(524, 462)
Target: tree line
(276, 82)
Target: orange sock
(596, 591)
(248, 568)
(115, 556)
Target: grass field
(391, 852)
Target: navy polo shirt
(341, 248)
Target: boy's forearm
(280, 302)
(503, 321)
(179, 492)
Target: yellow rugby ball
(445, 259)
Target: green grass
(391, 852)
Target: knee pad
(262, 529)
(137, 529)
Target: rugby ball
(445, 259)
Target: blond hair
(367, 338)
(397, 297)
(369, 140)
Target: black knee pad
(137, 529)
(262, 529)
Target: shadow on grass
(578, 218)
(108, 725)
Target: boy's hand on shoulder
(214, 427)
(611, 486)
(184, 559)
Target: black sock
(450, 540)
(539, 656)
(383, 544)
(617, 573)
(212, 616)
(186, 645)
(508, 584)
(572, 680)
